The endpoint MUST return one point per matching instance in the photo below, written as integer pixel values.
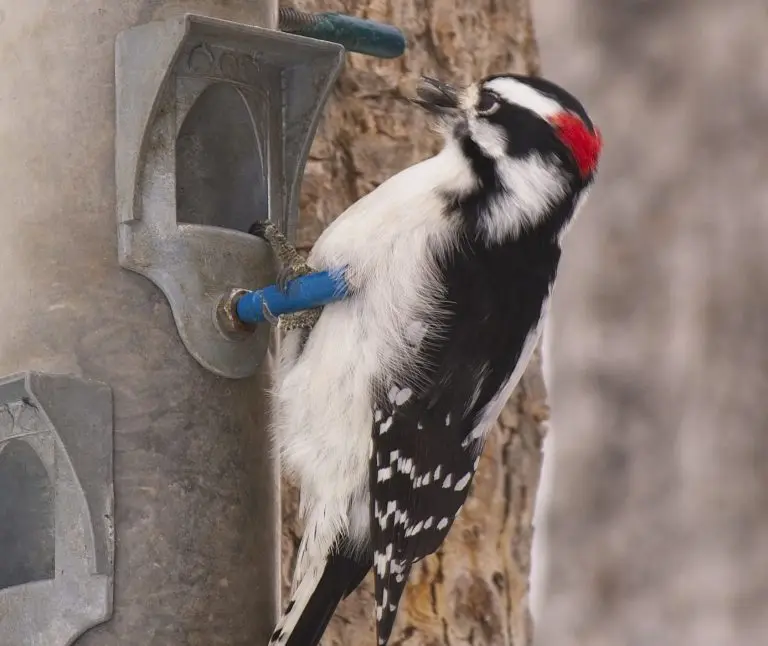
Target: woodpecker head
(531, 147)
(509, 115)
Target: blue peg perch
(302, 293)
(354, 34)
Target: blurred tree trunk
(474, 591)
(659, 516)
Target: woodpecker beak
(436, 97)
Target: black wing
(424, 454)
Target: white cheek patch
(525, 96)
(490, 138)
(533, 186)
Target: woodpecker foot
(299, 320)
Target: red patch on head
(584, 146)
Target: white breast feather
(389, 241)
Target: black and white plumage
(382, 409)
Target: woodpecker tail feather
(316, 597)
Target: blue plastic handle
(354, 34)
(303, 293)
(358, 35)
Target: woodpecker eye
(488, 103)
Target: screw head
(226, 319)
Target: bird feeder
(138, 496)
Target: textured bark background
(659, 351)
(474, 591)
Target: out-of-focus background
(654, 527)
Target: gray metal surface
(196, 516)
(56, 508)
(214, 124)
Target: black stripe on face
(524, 132)
(552, 91)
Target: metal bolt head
(226, 319)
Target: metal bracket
(56, 508)
(214, 124)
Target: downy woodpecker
(382, 401)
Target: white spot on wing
(403, 396)
(391, 509)
(461, 484)
(381, 563)
(447, 481)
(405, 465)
(443, 523)
(385, 426)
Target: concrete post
(136, 484)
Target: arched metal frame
(67, 423)
(162, 70)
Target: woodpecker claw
(284, 276)
(268, 316)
